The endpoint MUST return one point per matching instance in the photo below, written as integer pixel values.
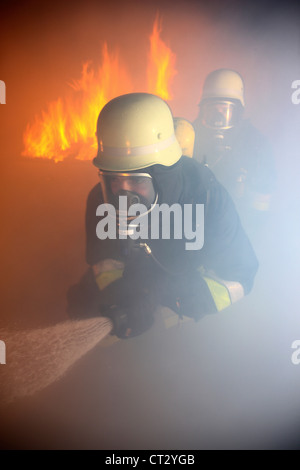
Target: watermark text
(296, 94)
(296, 354)
(2, 352)
(2, 92)
(186, 222)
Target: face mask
(219, 114)
(136, 187)
(133, 188)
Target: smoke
(229, 373)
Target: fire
(161, 66)
(67, 128)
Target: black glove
(127, 302)
(130, 305)
(130, 321)
(187, 294)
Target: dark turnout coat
(227, 251)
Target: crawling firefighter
(237, 153)
(139, 157)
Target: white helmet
(136, 131)
(224, 84)
(222, 100)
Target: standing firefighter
(236, 152)
(140, 158)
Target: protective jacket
(194, 282)
(242, 160)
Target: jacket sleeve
(227, 253)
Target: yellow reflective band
(104, 279)
(219, 293)
(136, 151)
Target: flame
(161, 66)
(67, 127)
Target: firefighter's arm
(107, 271)
(224, 293)
(125, 297)
(227, 252)
(94, 289)
(196, 294)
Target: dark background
(226, 382)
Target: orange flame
(67, 128)
(161, 66)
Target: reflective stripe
(107, 271)
(135, 151)
(219, 293)
(223, 292)
(235, 289)
(104, 279)
(108, 264)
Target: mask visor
(137, 187)
(219, 115)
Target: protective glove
(187, 294)
(125, 300)
(130, 306)
(84, 298)
(129, 322)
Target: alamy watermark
(2, 352)
(296, 354)
(296, 94)
(188, 222)
(2, 92)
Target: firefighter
(139, 157)
(238, 154)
